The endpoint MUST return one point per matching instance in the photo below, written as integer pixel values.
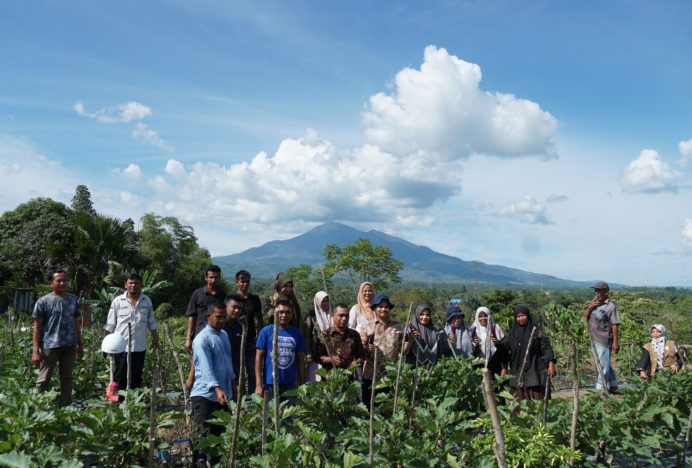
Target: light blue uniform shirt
(213, 364)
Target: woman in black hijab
(425, 348)
(518, 345)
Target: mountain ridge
(421, 263)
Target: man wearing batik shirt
(340, 346)
(57, 337)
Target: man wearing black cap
(604, 321)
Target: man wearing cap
(603, 322)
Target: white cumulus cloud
(441, 109)
(685, 148)
(527, 210)
(649, 173)
(143, 132)
(308, 179)
(121, 113)
(687, 234)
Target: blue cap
(454, 311)
(379, 299)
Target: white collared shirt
(141, 316)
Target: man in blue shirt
(57, 337)
(214, 386)
(291, 354)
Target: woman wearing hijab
(361, 312)
(660, 353)
(426, 339)
(319, 320)
(537, 352)
(485, 334)
(459, 342)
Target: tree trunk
(499, 444)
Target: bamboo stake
(575, 412)
(169, 337)
(499, 443)
(546, 393)
(401, 358)
(413, 392)
(152, 412)
(241, 383)
(275, 371)
(520, 380)
(687, 439)
(265, 415)
(129, 356)
(371, 434)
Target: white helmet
(113, 343)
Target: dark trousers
(64, 357)
(120, 376)
(249, 368)
(202, 411)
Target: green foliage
(362, 261)
(81, 201)
(24, 231)
(307, 282)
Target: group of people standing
(328, 336)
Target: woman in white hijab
(484, 334)
(659, 353)
(319, 320)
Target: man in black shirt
(198, 310)
(252, 310)
(200, 301)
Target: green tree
(171, 249)
(25, 233)
(362, 261)
(96, 241)
(81, 201)
(307, 281)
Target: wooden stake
(371, 434)
(606, 386)
(241, 384)
(401, 358)
(499, 443)
(520, 380)
(575, 411)
(152, 411)
(169, 337)
(546, 393)
(129, 355)
(275, 372)
(265, 416)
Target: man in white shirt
(134, 308)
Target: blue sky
(554, 137)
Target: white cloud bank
(649, 173)
(441, 110)
(527, 210)
(417, 138)
(687, 234)
(122, 113)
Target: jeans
(603, 353)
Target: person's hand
(188, 344)
(503, 373)
(337, 361)
(451, 337)
(80, 351)
(552, 370)
(674, 369)
(415, 333)
(259, 390)
(189, 382)
(494, 338)
(155, 344)
(308, 358)
(476, 342)
(643, 375)
(407, 345)
(616, 348)
(594, 303)
(221, 396)
(36, 358)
